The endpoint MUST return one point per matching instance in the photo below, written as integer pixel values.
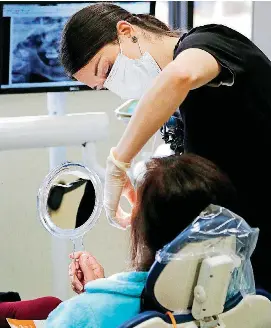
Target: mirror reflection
(71, 201)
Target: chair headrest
(216, 231)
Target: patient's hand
(85, 268)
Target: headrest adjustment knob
(199, 294)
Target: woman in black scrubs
(217, 78)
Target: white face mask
(130, 78)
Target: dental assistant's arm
(192, 69)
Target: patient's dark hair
(172, 194)
(95, 26)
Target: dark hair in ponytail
(91, 28)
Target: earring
(134, 39)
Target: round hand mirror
(70, 201)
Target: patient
(37, 309)
(171, 195)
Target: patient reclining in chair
(172, 194)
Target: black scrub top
(228, 122)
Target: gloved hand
(116, 179)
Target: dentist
(217, 79)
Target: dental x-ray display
(34, 45)
(30, 34)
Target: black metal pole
(181, 14)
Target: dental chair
(204, 278)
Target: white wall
(25, 246)
(261, 27)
